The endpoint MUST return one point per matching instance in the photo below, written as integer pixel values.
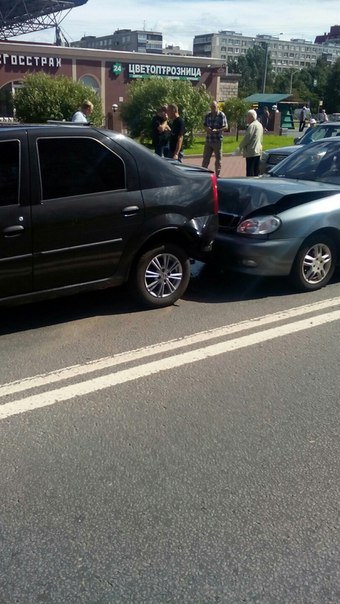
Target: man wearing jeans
(160, 130)
(215, 123)
(176, 134)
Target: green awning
(268, 99)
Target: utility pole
(265, 67)
(291, 80)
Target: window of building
(78, 166)
(90, 81)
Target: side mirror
(297, 140)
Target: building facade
(176, 50)
(126, 40)
(284, 54)
(108, 72)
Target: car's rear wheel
(161, 276)
(315, 263)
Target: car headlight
(264, 155)
(259, 225)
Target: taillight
(215, 193)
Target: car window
(317, 162)
(9, 172)
(78, 166)
(324, 132)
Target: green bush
(147, 95)
(43, 98)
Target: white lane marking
(52, 397)
(142, 353)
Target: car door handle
(13, 231)
(129, 210)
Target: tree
(308, 84)
(252, 66)
(146, 95)
(235, 110)
(43, 98)
(332, 89)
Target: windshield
(318, 162)
(319, 132)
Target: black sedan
(286, 223)
(84, 208)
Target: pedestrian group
(168, 129)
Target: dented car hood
(245, 196)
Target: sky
(180, 20)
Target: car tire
(160, 276)
(315, 263)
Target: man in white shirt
(80, 117)
(251, 144)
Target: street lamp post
(265, 68)
(265, 46)
(291, 80)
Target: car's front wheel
(161, 276)
(315, 263)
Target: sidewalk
(232, 165)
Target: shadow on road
(215, 285)
(111, 301)
(208, 285)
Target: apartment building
(125, 40)
(285, 54)
(176, 51)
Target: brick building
(108, 72)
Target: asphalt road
(189, 454)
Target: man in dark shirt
(177, 133)
(160, 130)
(303, 117)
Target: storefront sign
(117, 68)
(137, 70)
(29, 61)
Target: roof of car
(325, 124)
(61, 126)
